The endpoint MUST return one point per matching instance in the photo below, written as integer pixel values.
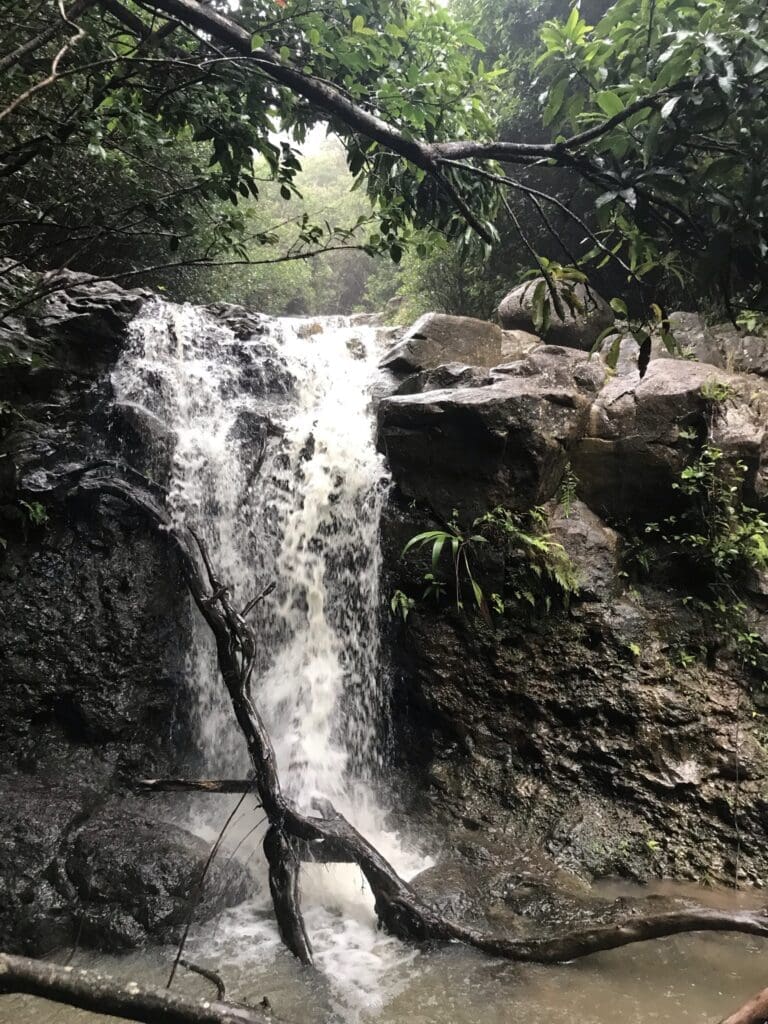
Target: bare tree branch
(753, 1012)
(69, 45)
(89, 990)
(194, 785)
(44, 37)
(294, 835)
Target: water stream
(268, 445)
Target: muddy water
(686, 978)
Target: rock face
(436, 339)
(721, 345)
(92, 640)
(472, 447)
(637, 440)
(516, 344)
(74, 864)
(589, 731)
(582, 325)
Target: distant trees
(129, 131)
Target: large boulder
(722, 345)
(503, 443)
(71, 866)
(437, 338)
(587, 314)
(138, 879)
(639, 436)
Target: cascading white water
(308, 519)
(303, 511)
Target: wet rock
(244, 323)
(636, 444)
(72, 866)
(503, 443)
(263, 371)
(90, 642)
(37, 817)
(136, 879)
(582, 324)
(147, 440)
(437, 338)
(581, 734)
(517, 344)
(309, 330)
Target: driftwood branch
(90, 990)
(194, 785)
(753, 1012)
(294, 836)
(209, 975)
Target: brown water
(685, 978)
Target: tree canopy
(129, 131)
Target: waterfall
(266, 445)
(270, 456)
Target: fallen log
(753, 1012)
(398, 907)
(91, 990)
(194, 785)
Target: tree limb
(44, 37)
(753, 1012)
(90, 990)
(194, 785)
(70, 44)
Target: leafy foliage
(537, 571)
(688, 167)
(723, 542)
(153, 133)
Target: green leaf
(610, 103)
(437, 549)
(257, 41)
(613, 353)
(620, 306)
(358, 23)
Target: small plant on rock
(537, 570)
(35, 512)
(723, 541)
(459, 544)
